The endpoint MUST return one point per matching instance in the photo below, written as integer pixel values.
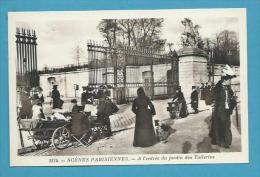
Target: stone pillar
(192, 69)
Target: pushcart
(57, 132)
(173, 109)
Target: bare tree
(140, 33)
(77, 53)
(226, 49)
(109, 30)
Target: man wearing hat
(84, 97)
(223, 97)
(55, 94)
(105, 108)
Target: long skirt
(220, 131)
(144, 131)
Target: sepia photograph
(128, 87)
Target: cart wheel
(61, 138)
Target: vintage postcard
(128, 87)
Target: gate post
(192, 68)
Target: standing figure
(225, 102)
(26, 105)
(202, 91)
(90, 96)
(194, 99)
(208, 98)
(84, 97)
(40, 95)
(55, 94)
(80, 125)
(37, 112)
(144, 131)
(179, 97)
(105, 108)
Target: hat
(89, 88)
(73, 101)
(227, 71)
(39, 89)
(102, 87)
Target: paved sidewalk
(188, 135)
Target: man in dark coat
(84, 97)
(55, 94)
(194, 99)
(80, 124)
(225, 102)
(144, 131)
(105, 108)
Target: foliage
(225, 48)
(139, 33)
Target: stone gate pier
(192, 68)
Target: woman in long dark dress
(225, 102)
(182, 103)
(144, 130)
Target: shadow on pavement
(186, 146)
(205, 145)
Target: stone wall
(65, 82)
(134, 78)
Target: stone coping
(188, 51)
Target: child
(37, 110)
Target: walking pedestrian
(144, 131)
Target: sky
(59, 33)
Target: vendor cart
(58, 132)
(173, 109)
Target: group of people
(205, 90)
(144, 134)
(220, 130)
(31, 103)
(105, 108)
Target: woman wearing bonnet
(144, 131)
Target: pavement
(187, 135)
